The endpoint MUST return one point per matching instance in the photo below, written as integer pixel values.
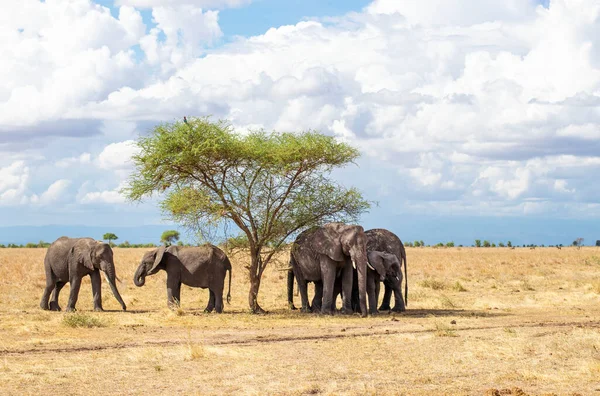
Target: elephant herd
(338, 258)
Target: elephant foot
(292, 307)
(385, 308)
(98, 309)
(208, 310)
(71, 309)
(347, 311)
(305, 310)
(398, 309)
(374, 313)
(54, 307)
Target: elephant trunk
(139, 278)
(359, 258)
(110, 276)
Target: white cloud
(13, 183)
(117, 156)
(102, 197)
(83, 159)
(492, 105)
(211, 4)
(55, 193)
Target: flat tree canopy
(169, 236)
(109, 236)
(271, 185)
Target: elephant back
(380, 239)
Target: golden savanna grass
(480, 321)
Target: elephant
(381, 265)
(204, 266)
(322, 254)
(69, 260)
(380, 239)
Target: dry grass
(480, 321)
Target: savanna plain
(480, 321)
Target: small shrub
(443, 330)
(458, 287)
(433, 284)
(78, 319)
(447, 302)
(510, 331)
(525, 285)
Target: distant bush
(486, 244)
(450, 244)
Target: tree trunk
(255, 276)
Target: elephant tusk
(397, 278)
(370, 266)
(353, 264)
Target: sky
(474, 119)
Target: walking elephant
(326, 252)
(380, 239)
(69, 260)
(203, 266)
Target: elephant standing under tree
(322, 254)
(380, 266)
(379, 239)
(69, 260)
(204, 267)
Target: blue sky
(469, 117)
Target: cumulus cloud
(493, 110)
(211, 4)
(13, 183)
(55, 193)
(117, 156)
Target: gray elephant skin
(69, 260)
(203, 266)
(324, 253)
(380, 239)
(381, 265)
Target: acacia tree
(270, 185)
(109, 236)
(169, 237)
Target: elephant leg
(387, 296)
(50, 282)
(399, 301)
(74, 294)
(371, 279)
(303, 287)
(173, 292)
(97, 290)
(328, 272)
(54, 302)
(318, 297)
(211, 301)
(347, 281)
(219, 301)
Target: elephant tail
(228, 263)
(290, 283)
(405, 282)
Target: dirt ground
(487, 321)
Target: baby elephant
(203, 266)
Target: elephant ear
(82, 254)
(326, 240)
(158, 258)
(376, 262)
(174, 250)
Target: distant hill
(49, 233)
